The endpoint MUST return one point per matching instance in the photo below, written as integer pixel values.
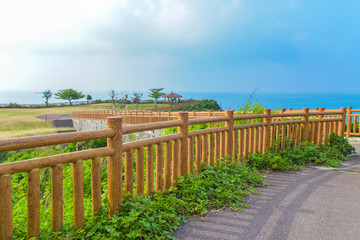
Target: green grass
(17, 122)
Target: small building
(172, 97)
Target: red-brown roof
(172, 95)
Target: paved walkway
(62, 116)
(314, 203)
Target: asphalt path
(52, 117)
(313, 203)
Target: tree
(156, 94)
(112, 93)
(47, 94)
(137, 98)
(69, 94)
(124, 97)
(88, 98)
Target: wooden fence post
(342, 126)
(6, 219)
(348, 128)
(229, 133)
(305, 134)
(56, 197)
(183, 129)
(267, 129)
(33, 203)
(320, 128)
(114, 165)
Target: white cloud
(26, 23)
(53, 26)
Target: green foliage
(69, 94)
(202, 105)
(47, 94)
(137, 98)
(98, 143)
(156, 93)
(341, 144)
(251, 108)
(293, 157)
(88, 98)
(157, 216)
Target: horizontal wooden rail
(207, 131)
(151, 126)
(287, 114)
(52, 139)
(150, 141)
(250, 116)
(326, 113)
(207, 120)
(249, 125)
(326, 120)
(287, 122)
(50, 161)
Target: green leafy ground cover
(157, 216)
(293, 157)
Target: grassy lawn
(17, 122)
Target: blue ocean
(226, 100)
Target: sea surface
(226, 100)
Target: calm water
(226, 100)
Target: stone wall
(87, 125)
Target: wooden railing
(138, 117)
(353, 120)
(234, 137)
(174, 106)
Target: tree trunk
(155, 103)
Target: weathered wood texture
(6, 217)
(176, 154)
(114, 165)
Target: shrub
(157, 216)
(202, 105)
(293, 157)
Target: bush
(202, 105)
(157, 216)
(341, 144)
(294, 157)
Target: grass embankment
(19, 122)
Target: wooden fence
(231, 136)
(352, 119)
(141, 116)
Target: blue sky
(229, 46)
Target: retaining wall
(86, 125)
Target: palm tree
(137, 98)
(112, 93)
